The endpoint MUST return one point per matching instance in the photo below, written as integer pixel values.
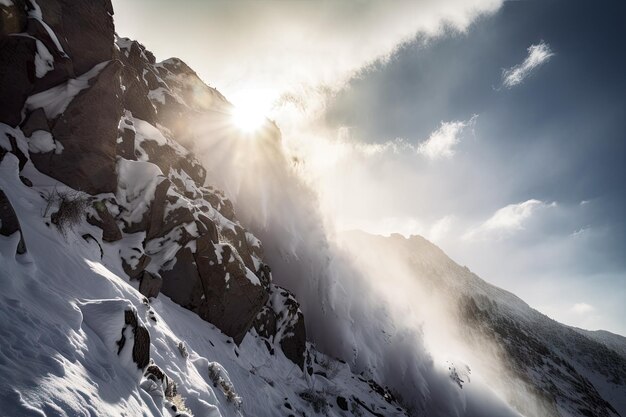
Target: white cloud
(537, 55)
(442, 142)
(506, 220)
(582, 308)
(279, 46)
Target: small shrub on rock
(71, 208)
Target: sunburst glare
(251, 109)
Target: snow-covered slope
(132, 285)
(62, 312)
(565, 371)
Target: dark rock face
(126, 142)
(232, 298)
(150, 284)
(182, 282)
(282, 322)
(265, 323)
(34, 121)
(84, 28)
(87, 129)
(133, 272)
(61, 69)
(166, 158)
(141, 345)
(9, 223)
(136, 99)
(17, 75)
(197, 251)
(105, 221)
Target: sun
(247, 119)
(250, 110)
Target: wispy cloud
(538, 55)
(442, 142)
(506, 220)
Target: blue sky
(557, 138)
(497, 130)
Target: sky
(496, 130)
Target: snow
(55, 100)
(145, 131)
(252, 277)
(44, 62)
(61, 311)
(35, 12)
(41, 142)
(106, 319)
(136, 186)
(158, 94)
(6, 3)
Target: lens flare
(250, 110)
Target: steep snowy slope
(62, 310)
(567, 371)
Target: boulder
(153, 217)
(9, 223)
(116, 323)
(150, 284)
(233, 295)
(281, 321)
(135, 265)
(105, 221)
(165, 385)
(166, 158)
(87, 129)
(181, 282)
(141, 345)
(162, 221)
(220, 203)
(265, 323)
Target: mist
(361, 303)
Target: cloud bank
(272, 47)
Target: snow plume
(276, 46)
(370, 314)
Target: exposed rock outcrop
(87, 130)
(17, 75)
(9, 223)
(112, 122)
(281, 321)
